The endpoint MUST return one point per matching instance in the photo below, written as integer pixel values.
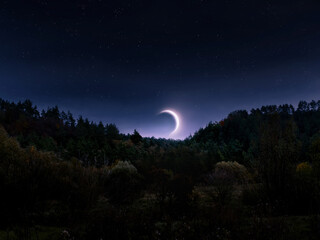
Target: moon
(176, 118)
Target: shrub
(124, 166)
(224, 177)
(230, 172)
(123, 183)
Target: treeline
(233, 138)
(57, 131)
(250, 176)
(237, 136)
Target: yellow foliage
(32, 149)
(303, 168)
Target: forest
(253, 175)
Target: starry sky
(123, 62)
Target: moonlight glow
(176, 118)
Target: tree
(136, 137)
(112, 132)
(224, 177)
(124, 183)
(303, 106)
(278, 150)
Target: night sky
(123, 62)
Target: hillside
(250, 176)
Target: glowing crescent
(176, 118)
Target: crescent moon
(176, 118)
